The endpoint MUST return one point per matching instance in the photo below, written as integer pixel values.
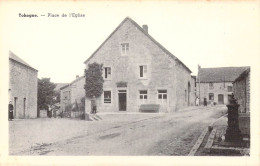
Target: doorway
(122, 100)
(220, 99)
(15, 106)
(24, 107)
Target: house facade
(137, 70)
(72, 93)
(242, 95)
(216, 84)
(22, 87)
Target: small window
(107, 96)
(211, 96)
(107, 72)
(143, 95)
(124, 48)
(143, 71)
(211, 85)
(162, 96)
(230, 88)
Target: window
(107, 96)
(107, 72)
(211, 85)
(143, 71)
(143, 96)
(211, 96)
(162, 96)
(124, 48)
(230, 89)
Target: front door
(122, 100)
(15, 106)
(220, 99)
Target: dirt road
(125, 134)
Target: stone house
(72, 92)
(137, 70)
(22, 87)
(242, 95)
(215, 84)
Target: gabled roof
(76, 80)
(242, 75)
(59, 85)
(15, 58)
(220, 74)
(150, 37)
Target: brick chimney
(145, 28)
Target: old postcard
(130, 83)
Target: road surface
(117, 135)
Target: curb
(201, 137)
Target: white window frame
(143, 72)
(163, 100)
(105, 98)
(143, 100)
(124, 48)
(212, 95)
(104, 73)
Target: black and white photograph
(130, 82)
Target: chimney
(77, 76)
(145, 28)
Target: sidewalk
(212, 144)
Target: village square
(135, 99)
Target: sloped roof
(59, 85)
(77, 79)
(15, 58)
(220, 74)
(243, 75)
(150, 37)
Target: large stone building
(215, 84)
(22, 87)
(242, 95)
(72, 93)
(138, 70)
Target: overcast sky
(212, 34)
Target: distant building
(139, 71)
(215, 84)
(242, 95)
(22, 87)
(59, 85)
(72, 92)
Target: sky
(209, 33)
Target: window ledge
(142, 78)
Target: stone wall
(72, 93)
(161, 71)
(203, 90)
(23, 90)
(242, 93)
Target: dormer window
(124, 48)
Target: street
(139, 134)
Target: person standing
(11, 111)
(94, 106)
(197, 101)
